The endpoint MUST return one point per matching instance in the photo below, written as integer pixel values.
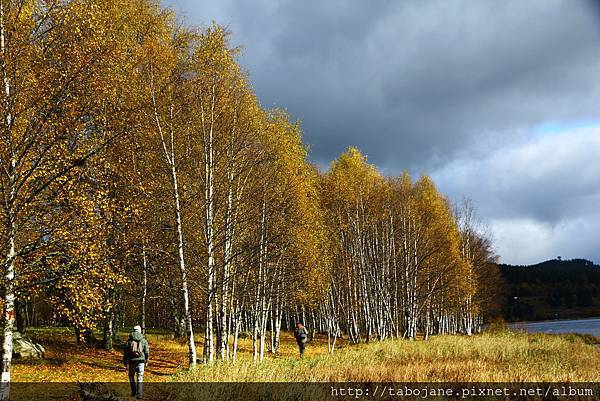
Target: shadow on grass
(166, 362)
(108, 365)
(157, 373)
(56, 361)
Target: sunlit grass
(503, 356)
(65, 361)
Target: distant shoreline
(553, 320)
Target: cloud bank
(540, 196)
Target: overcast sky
(499, 101)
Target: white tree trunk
(169, 153)
(9, 314)
(183, 271)
(145, 287)
(9, 262)
(209, 172)
(227, 256)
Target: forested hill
(552, 289)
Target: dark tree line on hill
(552, 289)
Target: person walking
(301, 335)
(136, 356)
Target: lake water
(583, 326)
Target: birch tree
(481, 268)
(167, 52)
(214, 71)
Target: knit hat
(138, 328)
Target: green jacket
(301, 334)
(135, 336)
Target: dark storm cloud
(412, 83)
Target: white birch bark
(169, 153)
(260, 291)
(9, 312)
(9, 261)
(183, 271)
(228, 250)
(145, 287)
(209, 207)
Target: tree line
(142, 181)
(551, 289)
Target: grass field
(495, 356)
(499, 356)
(488, 357)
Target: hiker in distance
(136, 356)
(301, 335)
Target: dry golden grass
(505, 356)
